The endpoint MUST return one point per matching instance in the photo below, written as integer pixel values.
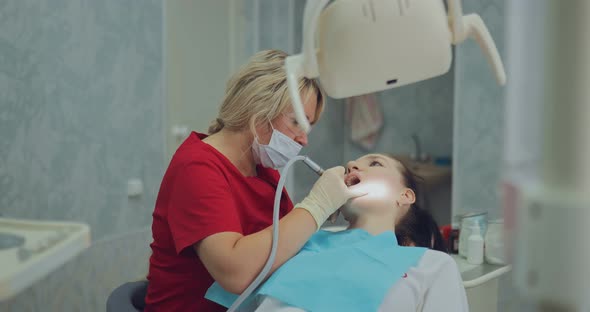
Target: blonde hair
(258, 92)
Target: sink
(31, 249)
(8, 240)
(433, 175)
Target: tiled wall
(424, 109)
(479, 113)
(268, 24)
(80, 113)
(81, 106)
(478, 132)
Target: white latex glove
(327, 195)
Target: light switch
(134, 187)
(180, 132)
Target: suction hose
(275, 229)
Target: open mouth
(352, 179)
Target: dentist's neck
(374, 224)
(236, 146)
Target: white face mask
(278, 152)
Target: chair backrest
(129, 297)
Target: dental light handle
(304, 64)
(474, 27)
(294, 72)
(275, 229)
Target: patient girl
(390, 258)
(434, 284)
(392, 196)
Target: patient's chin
(367, 205)
(358, 206)
(369, 201)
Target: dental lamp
(366, 46)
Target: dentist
(213, 215)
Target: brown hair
(417, 227)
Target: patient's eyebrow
(377, 156)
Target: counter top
(472, 275)
(475, 275)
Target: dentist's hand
(327, 195)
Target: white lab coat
(433, 285)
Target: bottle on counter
(467, 220)
(475, 244)
(453, 241)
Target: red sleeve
(201, 205)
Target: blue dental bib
(336, 271)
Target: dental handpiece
(313, 166)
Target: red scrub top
(202, 193)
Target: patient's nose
(301, 139)
(352, 165)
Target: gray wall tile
(479, 105)
(424, 108)
(81, 112)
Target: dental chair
(129, 297)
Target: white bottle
(475, 246)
